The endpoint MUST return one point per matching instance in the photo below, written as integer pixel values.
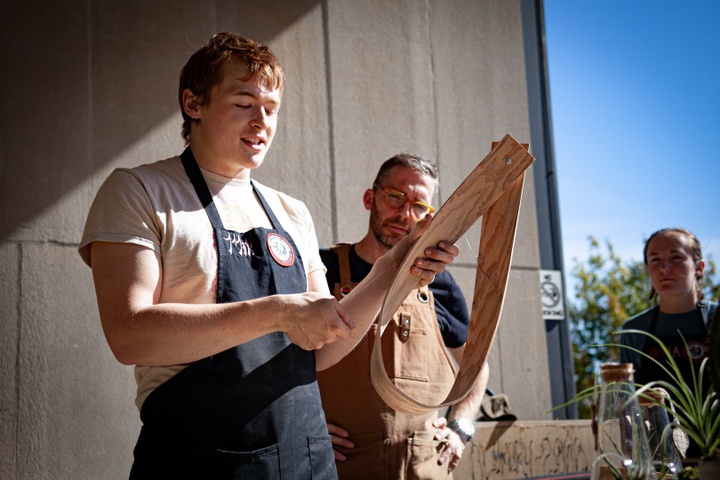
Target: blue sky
(635, 98)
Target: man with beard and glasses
(371, 440)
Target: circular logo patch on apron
(280, 249)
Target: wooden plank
(493, 190)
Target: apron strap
(268, 211)
(342, 250)
(203, 192)
(653, 321)
(703, 307)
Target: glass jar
(660, 433)
(621, 444)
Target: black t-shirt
(450, 307)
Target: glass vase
(666, 458)
(622, 450)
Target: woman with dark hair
(674, 263)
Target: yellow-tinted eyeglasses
(395, 199)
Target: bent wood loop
(493, 190)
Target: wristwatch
(463, 427)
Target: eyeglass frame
(388, 190)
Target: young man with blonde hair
(212, 286)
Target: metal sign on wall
(551, 295)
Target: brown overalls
(388, 444)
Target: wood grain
(493, 190)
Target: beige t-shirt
(156, 206)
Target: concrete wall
(527, 449)
(91, 86)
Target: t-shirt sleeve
(314, 263)
(451, 310)
(121, 213)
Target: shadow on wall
(83, 81)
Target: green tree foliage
(608, 291)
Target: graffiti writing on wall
(531, 456)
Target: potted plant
(710, 465)
(715, 352)
(695, 413)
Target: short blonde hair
(204, 69)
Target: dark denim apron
(252, 411)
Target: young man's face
(237, 123)
(389, 225)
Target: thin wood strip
(493, 190)
(462, 209)
(499, 226)
(497, 243)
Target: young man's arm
(141, 331)
(365, 300)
